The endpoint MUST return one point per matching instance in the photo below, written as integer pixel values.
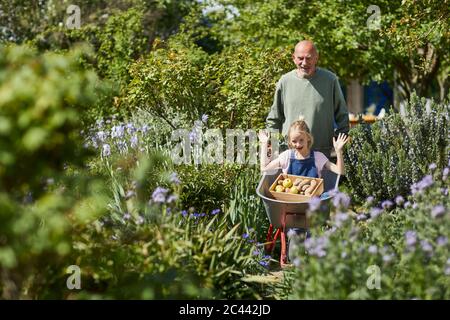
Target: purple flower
(445, 173)
(316, 246)
(117, 131)
(432, 167)
(174, 178)
(159, 195)
(184, 213)
(134, 141)
(256, 252)
(422, 184)
(106, 151)
(441, 241)
(375, 212)
(341, 200)
(361, 217)
(444, 191)
(245, 235)
(426, 246)
(387, 257)
(297, 262)
(438, 211)
(172, 198)
(314, 204)
(101, 135)
(370, 200)
(411, 238)
(407, 204)
(399, 200)
(340, 218)
(204, 118)
(215, 211)
(387, 204)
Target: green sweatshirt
(319, 99)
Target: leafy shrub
(41, 97)
(383, 160)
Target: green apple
(287, 183)
(295, 190)
(279, 188)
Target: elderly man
(312, 92)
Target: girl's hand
(263, 136)
(340, 142)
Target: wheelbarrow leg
(268, 246)
(283, 257)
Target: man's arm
(276, 118)
(340, 110)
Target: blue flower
(245, 235)
(432, 167)
(184, 213)
(215, 211)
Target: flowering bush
(384, 252)
(384, 159)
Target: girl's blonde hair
(302, 126)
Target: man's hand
(339, 143)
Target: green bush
(41, 97)
(384, 159)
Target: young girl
(299, 159)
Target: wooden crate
(292, 197)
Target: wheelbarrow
(283, 215)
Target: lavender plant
(383, 160)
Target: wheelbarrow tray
(294, 213)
